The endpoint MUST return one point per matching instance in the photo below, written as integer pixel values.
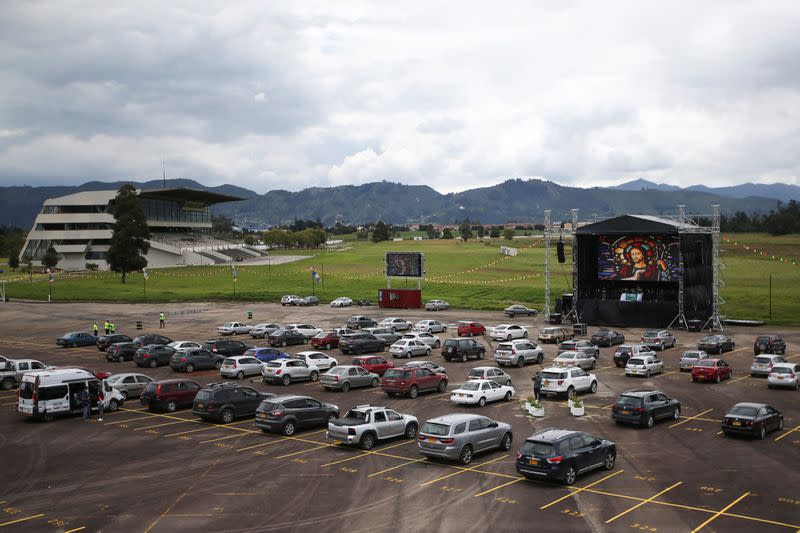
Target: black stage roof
(188, 195)
(629, 224)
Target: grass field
(468, 275)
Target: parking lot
(153, 471)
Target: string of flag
(758, 252)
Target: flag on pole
(234, 274)
(145, 274)
(51, 279)
(315, 275)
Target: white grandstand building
(79, 227)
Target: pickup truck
(626, 351)
(364, 425)
(643, 366)
(11, 370)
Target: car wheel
(442, 386)
(520, 362)
(171, 406)
(610, 459)
(780, 424)
(124, 394)
(570, 391)
(7, 384)
(283, 344)
(594, 364)
(482, 402)
(286, 380)
(428, 352)
(508, 337)
(240, 375)
(662, 347)
(647, 374)
(328, 346)
(539, 359)
(374, 383)
(227, 416)
(413, 392)
(508, 396)
(218, 364)
(437, 344)
(314, 375)
(367, 441)
(444, 329)
(465, 457)
(411, 431)
(762, 433)
(718, 377)
(676, 414)
(190, 368)
(113, 405)
(505, 444)
(288, 428)
(463, 358)
(593, 387)
(651, 421)
(481, 354)
(153, 364)
(524, 334)
(569, 475)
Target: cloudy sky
(455, 95)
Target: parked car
(690, 358)
(364, 425)
(265, 355)
(717, 344)
(286, 337)
(575, 359)
(104, 341)
(784, 375)
(325, 340)
(320, 360)
(437, 305)
(240, 366)
(607, 337)
(195, 360)
(428, 339)
(489, 373)
(342, 301)
(518, 352)
(467, 328)
(153, 355)
(430, 365)
(762, 364)
(151, 338)
(555, 334)
(285, 371)
(559, 380)
(234, 328)
(344, 377)
(360, 321)
(430, 326)
(182, 346)
(462, 349)
(291, 299)
(225, 347)
(479, 392)
(73, 339)
(396, 324)
(121, 351)
(562, 454)
(227, 401)
(129, 385)
(169, 394)
(518, 310)
(643, 407)
(261, 331)
(385, 334)
(626, 351)
(373, 363)
(769, 344)
(309, 301)
(658, 339)
(43, 394)
(409, 348)
(307, 330)
(459, 436)
(643, 366)
(361, 343)
(754, 419)
(711, 370)
(289, 412)
(412, 381)
(506, 332)
(575, 345)
(14, 369)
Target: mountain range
(511, 200)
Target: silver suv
(518, 352)
(459, 436)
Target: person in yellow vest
(161, 318)
(112, 327)
(95, 328)
(107, 326)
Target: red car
(470, 328)
(411, 381)
(327, 341)
(373, 363)
(169, 394)
(711, 370)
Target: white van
(45, 393)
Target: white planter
(577, 411)
(533, 411)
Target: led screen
(638, 258)
(404, 264)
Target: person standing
(112, 327)
(100, 398)
(161, 318)
(106, 326)
(95, 328)
(86, 402)
(537, 386)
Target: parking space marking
(500, 486)
(690, 418)
(785, 433)
(648, 500)
(467, 469)
(209, 428)
(125, 421)
(718, 513)
(76, 529)
(181, 421)
(281, 438)
(666, 373)
(123, 410)
(737, 379)
(604, 368)
(581, 489)
(21, 520)
(401, 465)
(370, 452)
(305, 451)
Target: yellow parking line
(689, 418)
(412, 461)
(268, 443)
(500, 486)
(603, 368)
(667, 373)
(209, 428)
(181, 421)
(236, 436)
(737, 379)
(462, 471)
(123, 410)
(282, 438)
(371, 452)
(716, 515)
(129, 420)
(305, 451)
(787, 433)
(21, 520)
(76, 529)
(580, 489)
(651, 498)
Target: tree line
(782, 220)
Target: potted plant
(534, 407)
(576, 407)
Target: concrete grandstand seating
(212, 256)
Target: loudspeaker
(560, 252)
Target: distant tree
(464, 231)
(432, 232)
(380, 233)
(221, 224)
(27, 262)
(362, 235)
(249, 240)
(495, 233)
(129, 240)
(13, 259)
(508, 234)
(447, 234)
(50, 258)
(481, 232)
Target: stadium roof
(190, 195)
(631, 224)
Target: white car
(261, 331)
(762, 364)
(320, 360)
(643, 366)
(307, 330)
(233, 328)
(489, 373)
(409, 348)
(579, 359)
(690, 357)
(427, 338)
(284, 371)
(559, 380)
(478, 392)
(291, 299)
(506, 332)
(784, 375)
(396, 324)
(182, 346)
(437, 305)
(430, 326)
(240, 366)
(342, 301)
(518, 352)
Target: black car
(309, 300)
(153, 355)
(607, 337)
(107, 340)
(358, 321)
(462, 349)
(716, 344)
(226, 401)
(573, 345)
(562, 454)
(151, 338)
(769, 344)
(192, 360)
(285, 337)
(754, 419)
(361, 343)
(288, 413)
(225, 347)
(121, 351)
(644, 407)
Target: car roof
(552, 434)
(311, 352)
(287, 397)
(787, 364)
(485, 367)
(557, 369)
(770, 355)
(569, 353)
(640, 392)
(455, 418)
(173, 380)
(750, 404)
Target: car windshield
(204, 395)
(337, 370)
(229, 362)
(763, 360)
(504, 347)
(551, 375)
(709, 339)
(114, 379)
(475, 373)
(395, 373)
(603, 333)
(252, 352)
(471, 385)
(358, 415)
(635, 362)
(629, 400)
(322, 334)
(781, 370)
(763, 339)
(706, 362)
(650, 334)
(540, 449)
(274, 364)
(566, 356)
(690, 355)
(432, 428)
(278, 332)
(409, 336)
(450, 342)
(744, 410)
